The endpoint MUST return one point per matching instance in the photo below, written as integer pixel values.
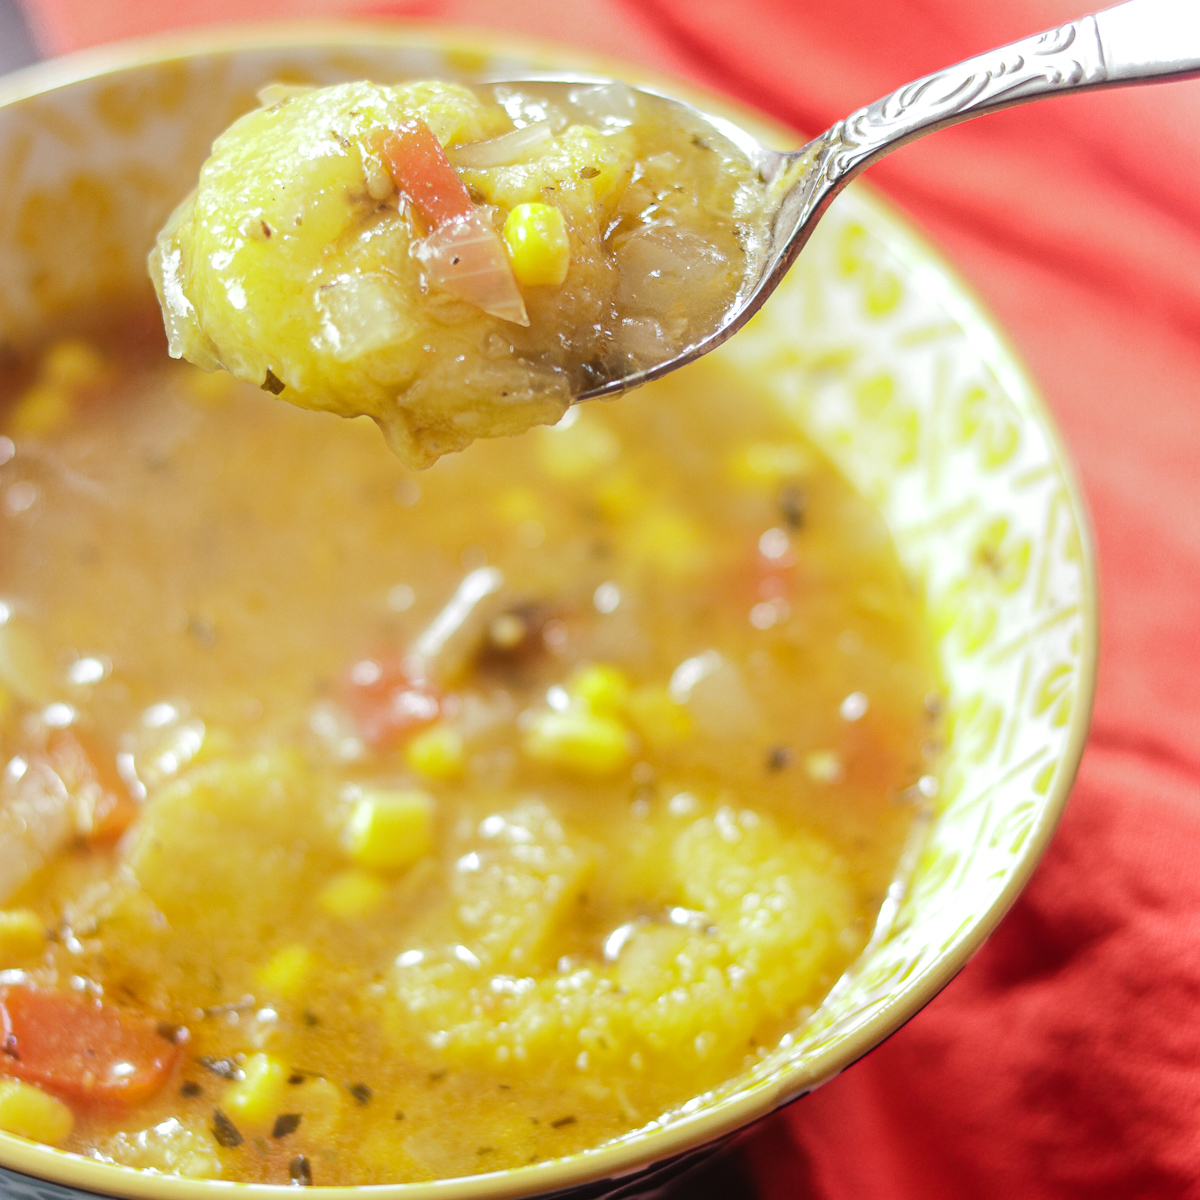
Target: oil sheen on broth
(453, 262)
(382, 826)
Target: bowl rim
(709, 1125)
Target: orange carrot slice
(423, 173)
(91, 1054)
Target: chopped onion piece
(664, 268)
(607, 106)
(503, 150)
(466, 257)
(360, 315)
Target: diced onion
(500, 151)
(714, 691)
(607, 106)
(664, 268)
(467, 258)
(644, 341)
(361, 315)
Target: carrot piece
(385, 704)
(423, 173)
(104, 807)
(89, 1053)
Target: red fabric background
(1065, 1060)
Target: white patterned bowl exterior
(871, 344)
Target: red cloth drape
(1065, 1060)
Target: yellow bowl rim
(620, 1160)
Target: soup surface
(359, 825)
(454, 262)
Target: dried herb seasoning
(225, 1131)
(285, 1124)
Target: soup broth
(386, 826)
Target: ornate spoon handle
(1139, 41)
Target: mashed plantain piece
(453, 263)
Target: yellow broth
(423, 905)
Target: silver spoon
(1141, 41)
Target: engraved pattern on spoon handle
(1139, 41)
(1061, 59)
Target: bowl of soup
(527, 824)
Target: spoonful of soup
(458, 262)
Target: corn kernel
(621, 496)
(538, 246)
(22, 936)
(670, 540)
(287, 971)
(578, 740)
(518, 504)
(72, 364)
(768, 464)
(389, 831)
(352, 893)
(603, 688)
(254, 1102)
(40, 411)
(436, 753)
(30, 1113)
(570, 453)
(657, 718)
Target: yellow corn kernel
(40, 411)
(352, 893)
(657, 718)
(30, 1113)
(72, 364)
(22, 936)
(389, 830)
(538, 247)
(670, 540)
(254, 1102)
(768, 464)
(518, 504)
(621, 496)
(576, 448)
(287, 971)
(6, 703)
(603, 688)
(436, 753)
(585, 742)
